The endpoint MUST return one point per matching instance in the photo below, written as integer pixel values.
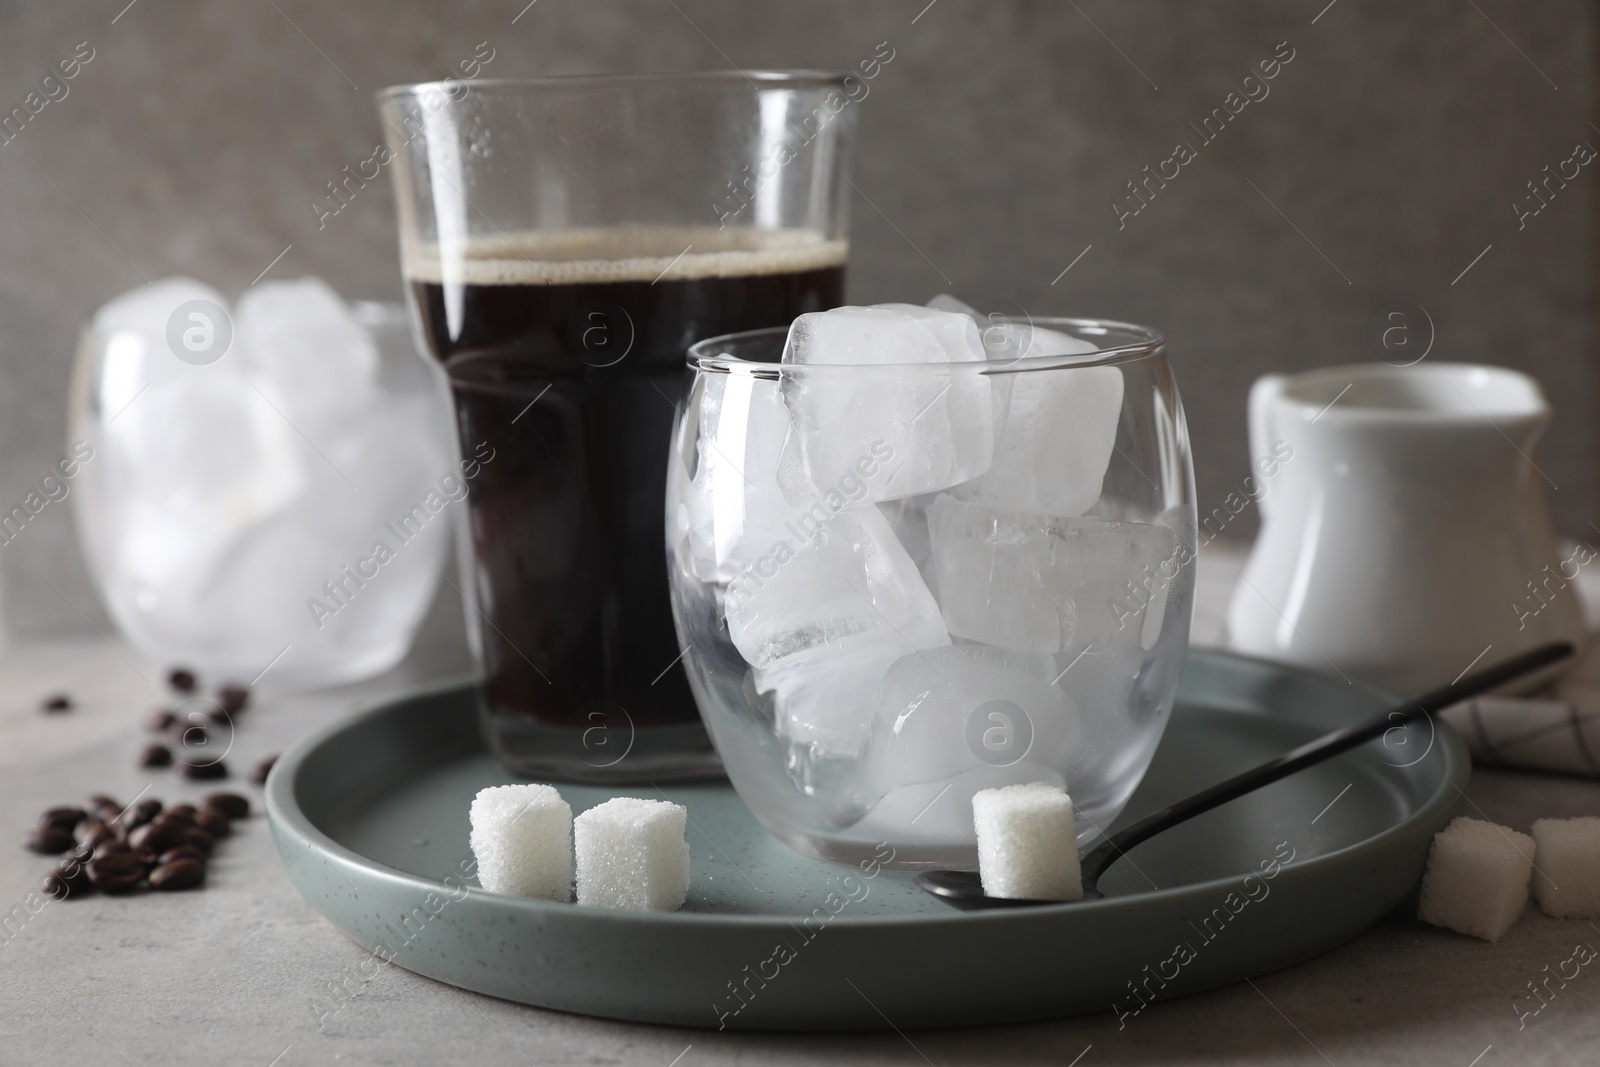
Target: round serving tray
(370, 816)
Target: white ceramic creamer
(1406, 536)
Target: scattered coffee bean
(232, 805)
(193, 735)
(67, 880)
(79, 855)
(203, 772)
(218, 714)
(115, 874)
(92, 832)
(212, 822)
(160, 721)
(155, 754)
(48, 840)
(142, 812)
(182, 680)
(112, 850)
(179, 874)
(182, 852)
(199, 839)
(100, 800)
(264, 768)
(181, 810)
(62, 818)
(55, 705)
(233, 698)
(158, 836)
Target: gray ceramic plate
(370, 816)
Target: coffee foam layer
(624, 254)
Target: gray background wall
(1396, 142)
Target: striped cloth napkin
(1557, 731)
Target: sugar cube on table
(1566, 880)
(1027, 843)
(873, 406)
(632, 854)
(1477, 878)
(522, 839)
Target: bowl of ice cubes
(268, 484)
(916, 553)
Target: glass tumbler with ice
(915, 553)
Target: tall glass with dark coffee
(564, 241)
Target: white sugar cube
(632, 854)
(1027, 843)
(522, 838)
(1477, 878)
(1566, 880)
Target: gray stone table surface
(228, 975)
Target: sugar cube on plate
(632, 854)
(522, 839)
(1566, 880)
(1027, 843)
(1477, 878)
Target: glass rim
(763, 79)
(1150, 345)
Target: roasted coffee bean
(115, 875)
(217, 714)
(179, 874)
(199, 839)
(193, 735)
(100, 800)
(155, 754)
(158, 836)
(142, 812)
(79, 855)
(233, 698)
(181, 810)
(55, 705)
(92, 832)
(160, 721)
(203, 772)
(182, 852)
(182, 680)
(67, 880)
(232, 805)
(212, 822)
(47, 840)
(62, 818)
(114, 850)
(264, 768)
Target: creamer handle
(1266, 389)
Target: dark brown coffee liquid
(571, 375)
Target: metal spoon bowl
(964, 889)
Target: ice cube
(1055, 431)
(938, 813)
(946, 711)
(1040, 583)
(131, 332)
(735, 511)
(199, 459)
(891, 420)
(306, 350)
(848, 599)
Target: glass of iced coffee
(564, 241)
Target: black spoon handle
(1325, 747)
